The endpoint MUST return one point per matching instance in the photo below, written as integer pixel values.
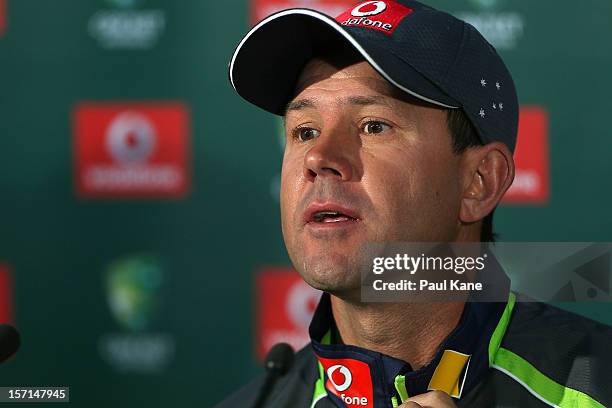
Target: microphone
(278, 362)
(9, 341)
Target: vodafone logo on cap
(369, 8)
(346, 380)
(382, 16)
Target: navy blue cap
(425, 52)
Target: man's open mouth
(329, 213)
(331, 216)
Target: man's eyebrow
(299, 104)
(368, 100)
(352, 100)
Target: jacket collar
(356, 377)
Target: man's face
(361, 165)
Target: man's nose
(332, 155)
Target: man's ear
(488, 173)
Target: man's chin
(337, 278)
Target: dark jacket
(535, 355)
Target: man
(400, 125)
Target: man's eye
(374, 127)
(304, 134)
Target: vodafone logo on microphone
(383, 16)
(350, 380)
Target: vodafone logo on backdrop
(131, 138)
(131, 149)
(531, 158)
(6, 295)
(261, 9)
(2, 16)
(285, 305)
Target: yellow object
(447, 376)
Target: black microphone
(278, 362)
(9, 341)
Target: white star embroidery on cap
(483, 82)
(497, 85)
(481, 113)
(494, 105)
(501, 106)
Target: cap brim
(268, 61)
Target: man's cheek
(287, 206)
(391, 184)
